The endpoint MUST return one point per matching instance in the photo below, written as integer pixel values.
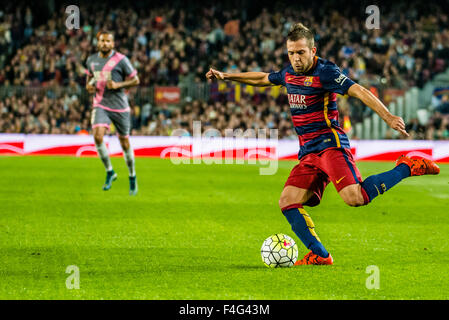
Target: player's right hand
(90, 88)
(214, 74)
(397, 123)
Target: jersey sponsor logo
(308, 81)
(341, 79)
(297, 101)
(102, 75)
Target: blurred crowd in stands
(175, 45)
(66, 114)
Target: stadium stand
(42, 62)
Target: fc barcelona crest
(308, 81)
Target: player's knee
(98, 138)
(353, 203)
(354, 200)
(286, 200)
(352, 195)
(124, 141)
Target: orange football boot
(419, 167)
(312, 258)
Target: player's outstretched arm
(258, 79)
(368, 98)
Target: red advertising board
(170, 95)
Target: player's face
(300, 55)
(105, 43)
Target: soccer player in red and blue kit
(312, 85)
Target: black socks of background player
(302, 225)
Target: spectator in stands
(444, 105)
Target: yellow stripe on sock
(309, 223)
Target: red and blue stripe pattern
(314, 111)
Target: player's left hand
(214, 74)
(397, 123)
(112, 85)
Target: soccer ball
(279, 250)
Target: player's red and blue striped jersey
(313, 104)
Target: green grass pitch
(195, 232)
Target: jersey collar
(110, 55)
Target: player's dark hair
(299, 31)
(99, 33)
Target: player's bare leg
(291, 203)
(98, 133)
(128, 154)
(291, 195)
(352, 195)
